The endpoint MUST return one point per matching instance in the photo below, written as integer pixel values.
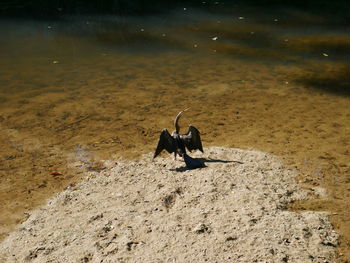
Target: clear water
(82, 89)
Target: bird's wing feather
(166, 141)
(192, 139)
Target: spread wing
(192, 139)
(166, 141)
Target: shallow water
(76, 91)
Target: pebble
(200, 228)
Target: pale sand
(146, 211)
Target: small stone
(96, 217)
(200, 228)
(231, 238)
(131, 245)
(55, 173)
(10, 157)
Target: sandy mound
(147, 211)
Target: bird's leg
(175, 155)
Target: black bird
(177, 143)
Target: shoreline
(151, 210)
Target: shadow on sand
(204, 161)
(336, 81)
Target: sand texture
(234, 210)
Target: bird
(177, 143)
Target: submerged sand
(66, 93)
(233, 210)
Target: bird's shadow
(203, 161)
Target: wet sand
(291, 101)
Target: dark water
(46, 55)
(80, 89)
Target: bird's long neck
(176, 122)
